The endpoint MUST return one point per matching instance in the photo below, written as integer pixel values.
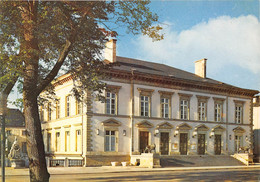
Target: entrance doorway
(164, 143)
(201, 144)
(143, 140)
(217, 145)
(183, 143)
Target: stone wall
(105, 160)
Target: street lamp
(3, 106)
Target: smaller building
(256, 128)
(15, 127)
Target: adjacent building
(256, 128)
(15, 128)
(147, 103)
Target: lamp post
(3, 106)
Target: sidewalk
(109, 169)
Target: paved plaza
(117, 174)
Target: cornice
(183, 83)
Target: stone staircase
(199, 160)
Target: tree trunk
(35, 146)
(34, 139)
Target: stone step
(198, 160)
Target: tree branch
(47, 80)
(10, 86)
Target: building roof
(165, 71)
(14, 118)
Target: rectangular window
(48, 142)
(111, 103)
(238, 114)
(68, 105)
(110, 140)
(49, 111)
(41, 114)
(79, 107)
(57, 142)
(78, 140)
(165, 105)
(202, 106)
(67, 141)
(184, 109)
(218, 111)
(145, 105)
(24, 148)
(238, 142)
(58, 109)
(23, 133)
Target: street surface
(226, 175)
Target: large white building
(147, 103)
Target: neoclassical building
(147, 103)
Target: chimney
(110, 51)
(200, 68)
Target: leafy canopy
(68, 36)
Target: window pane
(113, 143)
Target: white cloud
(224, 41)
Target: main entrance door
(217, 144)
(201, 144)
(143, 140)
(183, 143)
(164, 143)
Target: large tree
(39, 38)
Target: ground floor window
(78, 140)
(110, 140)
(238, 142)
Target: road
(196, 175)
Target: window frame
(166, 95)
(113, 89)
(49, 111)
(49, 141)
(58, 108)
(79, 107)
(57, 142)
(239, 103)
(202, 99)
(220, 102)
(145, 93)
(110, 140)
(184, 97)
(68, 105)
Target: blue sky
(227, 33)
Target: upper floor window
(145, 101)
(165, 104)
(79, 107)
(184, 106)
(145, 105)
(202, 107)
(111, 103)
(57, 108)
(239, 111)
(218, 107)
(68, 101)
(111, 106)
(49, 111)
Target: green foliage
(55, 23)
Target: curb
(110, 169)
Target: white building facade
(148, 103)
